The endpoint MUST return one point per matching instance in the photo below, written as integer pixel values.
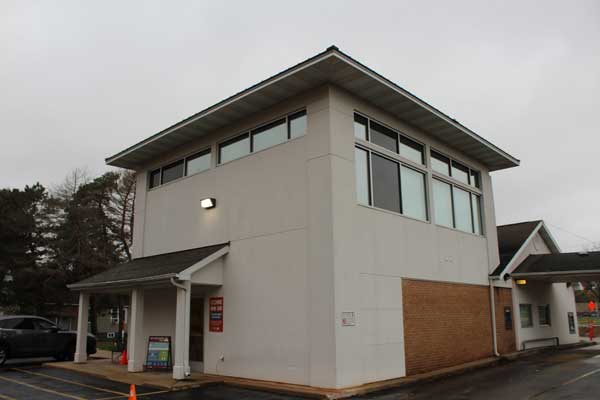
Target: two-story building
(323, 227)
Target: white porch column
(82, 328)
(135, 337)
(181, 364)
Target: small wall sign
(348, 318)
(159, 353)
(215, 305)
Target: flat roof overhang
(334, 67)
(561, 267)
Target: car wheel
(3, 354)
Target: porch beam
(136, 341)
(82, 328)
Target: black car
(24, 336)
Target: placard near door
(215, 308)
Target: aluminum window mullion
(452, 204)
(370, 166)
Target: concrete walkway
(104, 368)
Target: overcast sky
(81, 80)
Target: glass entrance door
(197, 334)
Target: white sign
(348, 318)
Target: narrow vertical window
(361, 163)
(442, 203)
(154, 180)
(475, 179)
(297, 124)
(571, 319)
(462, 210)
(412, 183)
(386, 183)
(360, 127)
(384, 137)
(525, 315)
(544, 314)
(476, 210)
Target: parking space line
(139, 395)
(42, 389)
(121, 394)
(5, 397)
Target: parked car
(24, 336)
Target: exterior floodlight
(207, 203)
(521, 282)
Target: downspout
(493, 309)
(186, 321)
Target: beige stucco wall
(375, 249)
(303, 251)
(273, 207)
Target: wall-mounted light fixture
(207, 203)
(521, 282)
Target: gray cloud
(82, 80)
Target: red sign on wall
(215, 305)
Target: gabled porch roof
(563, 267)
(147, 270)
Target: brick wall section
(506, 337)
(445, 324)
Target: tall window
(456, 208)
(455, 205)
(361, 162)
(525, 315)
(388, 184)
(544, 314)
(442, 203)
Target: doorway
(197, 334)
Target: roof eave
(121, 283)
(505, 161)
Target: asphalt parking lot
(551, 375)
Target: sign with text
(159, 352)
(348, 318)
(215, 309)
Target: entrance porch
(166, 299)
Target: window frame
(199, 153)
(383, 150)
(159, 170)
(530, 325)
(544, 309)
(250, 133)
(451, 161)
(215, 161)
(359, 144)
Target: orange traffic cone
(123, 360)
(132, 395)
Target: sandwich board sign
(159, 353)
